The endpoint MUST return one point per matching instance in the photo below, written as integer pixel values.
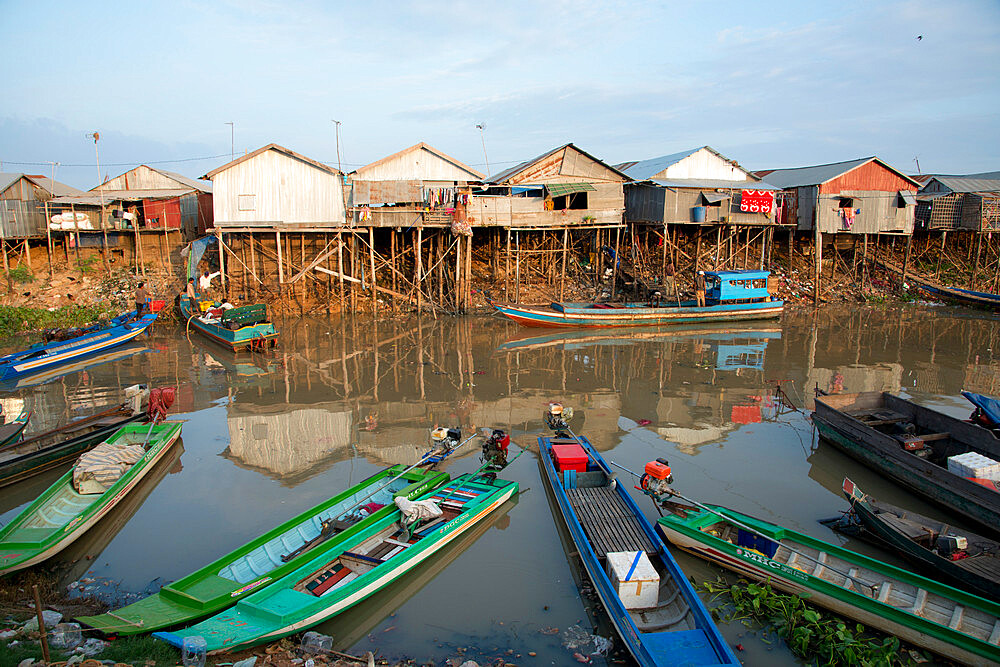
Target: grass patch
(21, 275)
(142, 650)
(19, 319)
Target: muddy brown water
(267, 437)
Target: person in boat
(140, 299)
(205, 281)
(699, 288)
(192, 296)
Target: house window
(846, 202)
(572, 201)
(246, 202)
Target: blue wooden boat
(84, 342)
(729, 296)
(607, 526)
(240, 328)
(966, 297)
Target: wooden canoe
(950, 622)
(91, 340)
(61, 514)
(875, 427)
(966, 297)
(237, 329)
(259, 562)
(603, 519)
(975, 568)
(43, 451)
(356, 568)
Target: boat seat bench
(607, 521)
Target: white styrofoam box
(975, 465)
(641, 590)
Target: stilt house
(864, 196)
(159, 199)
(22, 203)
(959, 202)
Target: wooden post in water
(906, 257)
(418, 269)
(41, 622)
(517, 267)
(864, 262)
(506, 271)
(458, 275)
(468, 273)
(371, 256)
(562, 281)
(340, 267)
(817, 260)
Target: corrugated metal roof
(55, 187)
(701, 183)
(645, 169)
(417, 147)
(821, 173)
(109, 196)
(201, 186)
(963, 184)
(508, 173)
(274, 147)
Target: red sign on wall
(757, 201)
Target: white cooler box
(635, 579)
(975, 465)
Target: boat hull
(547, 316)
(703, 646)
(55, 354)
(278, 611)
(234, 339)
(880, 452)
(897, 621)
(20, 549)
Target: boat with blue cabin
(237, 328)
(729, 296)
(75, 344)
(652, 605)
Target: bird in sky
(919, 37)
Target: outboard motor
(656, 479)
(557, 417)
(495, 450)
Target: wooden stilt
(458, 276)
(562, 281)
(975, 266)
(937, 270)
(371, 256)
(517, 269)
(222, 262)
(697, 252)
(818, 261)
(48, 235)
(906, 256)
(506, 272)
(340, 267)
(468, 273)
(418, 270)
(253, 263)
(281, 262)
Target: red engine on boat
(657, 470)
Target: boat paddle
(873, 588)
(331, 527)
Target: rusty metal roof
(965, 184)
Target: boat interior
(296, 540)
(870, 583)
(913, 436)
(387, 544)
(611, 527)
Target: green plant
(141, 650)
(18, 319)
(809, 633)
(21, 274)
(86, 264)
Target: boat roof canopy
(738, 275)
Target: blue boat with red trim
(237, 328)
(75, 344)
(651, 603)
(729, 296)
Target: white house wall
(286, 191)
(704, 164)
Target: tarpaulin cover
(756, 201)
(989, 406)
(198, 248)
(559, 189)
(417, 510)
(101, 467)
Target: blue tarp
(198, 248)
(989, 406)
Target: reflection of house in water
(853, 379)
(982, 379)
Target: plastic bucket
(698, 213)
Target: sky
(768, 84)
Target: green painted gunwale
(279, 611)
(22, 546)
(204, 592)
(690, 527)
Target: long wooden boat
(10, 432)
(972, 565)
(911, 444)
(62, 514)
(347, 574)
(730, 296)
(240, 328)
(43, 451)
(63, 370)
(960, 295)
(269, 557)
(950, 622)
(669, 628)
(85, 342)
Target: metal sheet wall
(22, 219)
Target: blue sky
(767, 84)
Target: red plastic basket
(157, 306)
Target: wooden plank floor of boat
(608, 522)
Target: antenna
(482, 135)
(917, 160)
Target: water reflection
(269, 436)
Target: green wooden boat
(264, 560)
(11, 431)
(952, 623)
(349, 573)
(62, 514)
